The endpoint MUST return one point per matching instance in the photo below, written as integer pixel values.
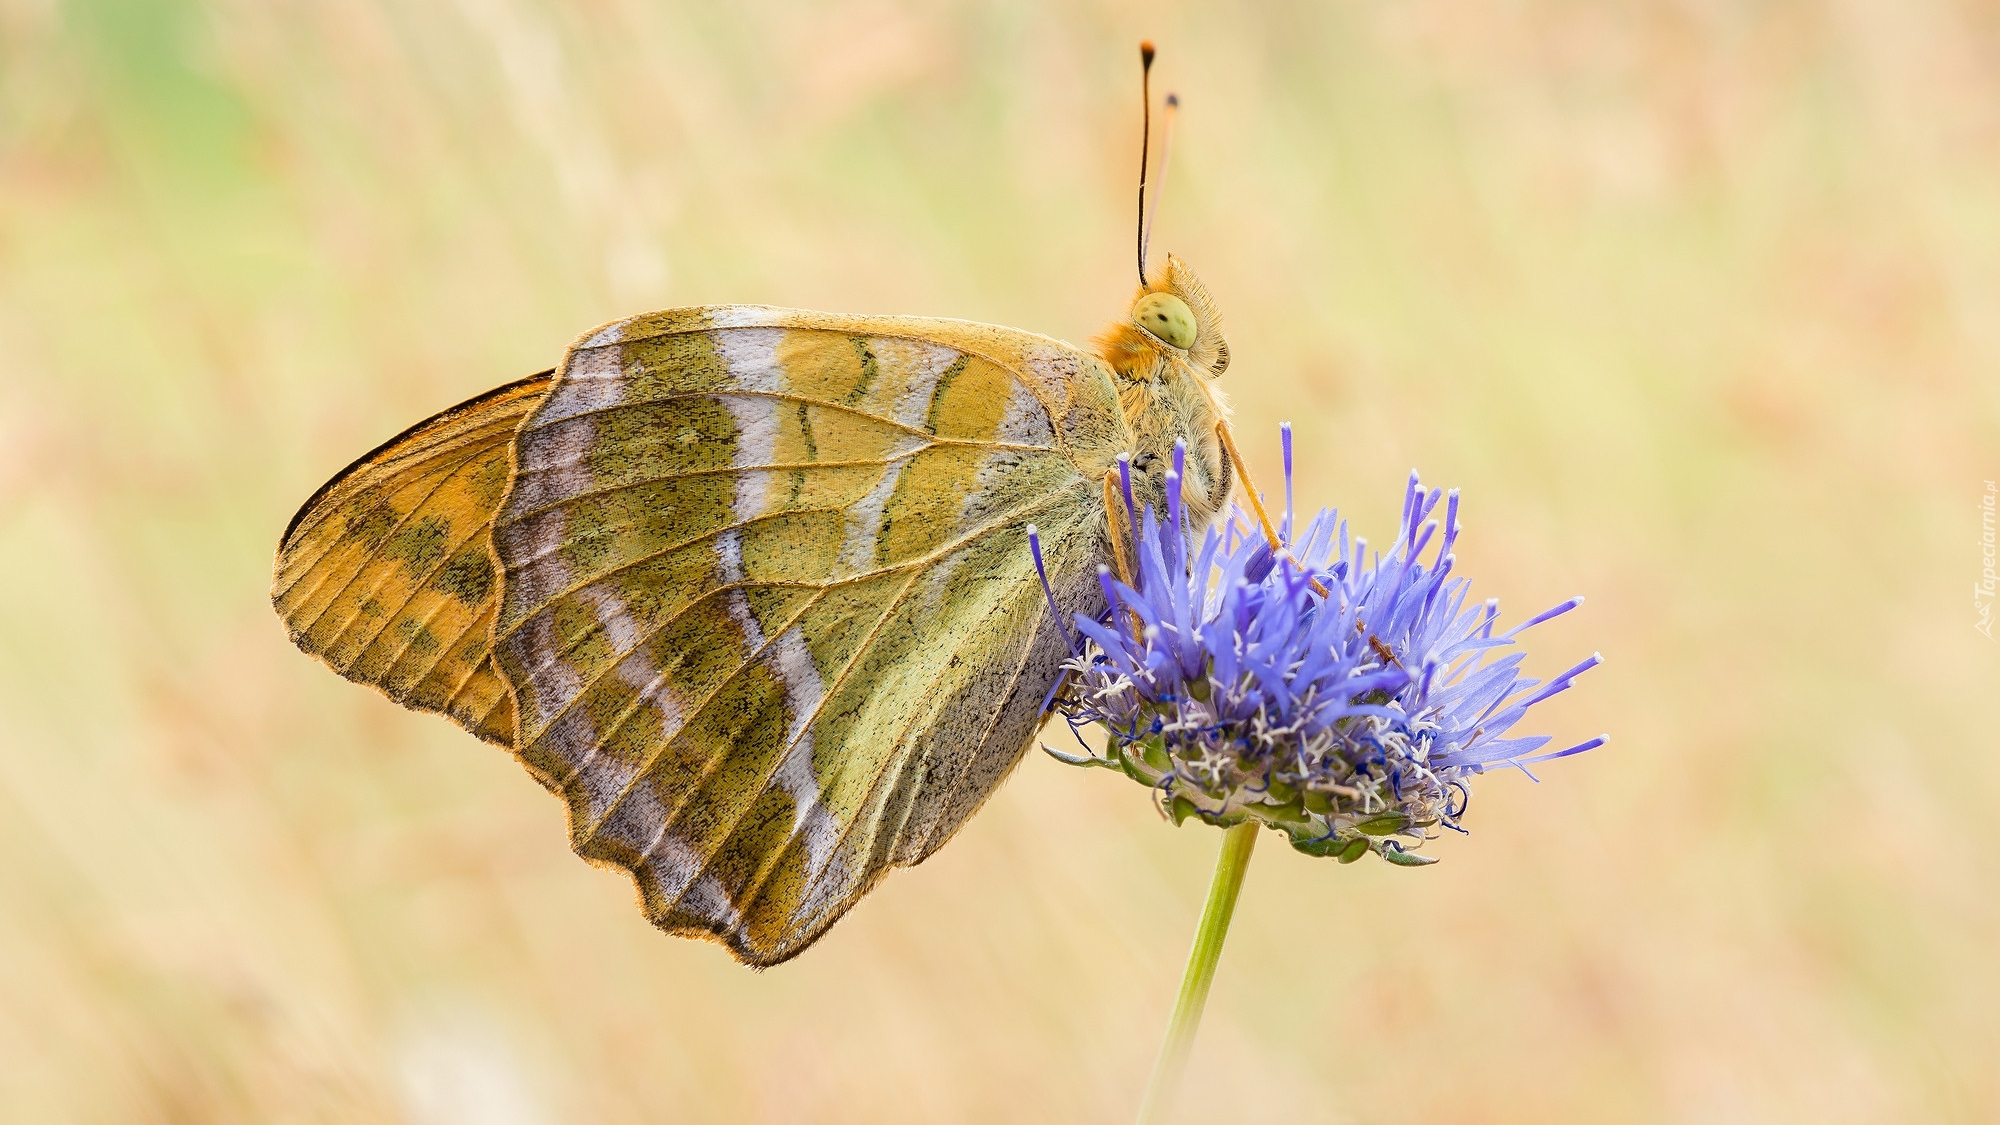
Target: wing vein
(624, 716)
(640, 560)
(708, 768)
(985, 730)
(778, 760)
(782, 396)
(612, 490)
(443, 649)
(791, 743)
(383, 581)
(374, 555)
(483, 435)
(418, 588)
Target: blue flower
(1342, 694)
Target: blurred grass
(1695, 301)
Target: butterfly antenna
(1145, 137)
(1278, 544)
(1152, 206)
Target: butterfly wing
(386, 574)
(767, 601)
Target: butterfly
(750, 588)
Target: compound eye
(1165, 316)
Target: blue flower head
(1343, 694)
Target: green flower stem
(1229, 869)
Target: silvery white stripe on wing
(557, 444)
(609, 334)
(673, 860)
(708, 899)
(864, 523)
(618, 622)
(639, 671)
(633, 820)
(739, 316)
(530, 551)
(823, 891)
(752, 356)
(1023, 423)
(557, 461)
(756, 443)
(635, 670)
(551, 683)
(603, 779)
(931, 597)
(790, 660)
(810, 816)
(793, 663)
(552, 467)
(729, 556)
(593, 380)
(674, 864)
(922, 362)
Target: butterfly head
(1173, 327)
(1165, 357)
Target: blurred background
(1698, 302)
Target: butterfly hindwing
(767, 604)
(387, 575)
